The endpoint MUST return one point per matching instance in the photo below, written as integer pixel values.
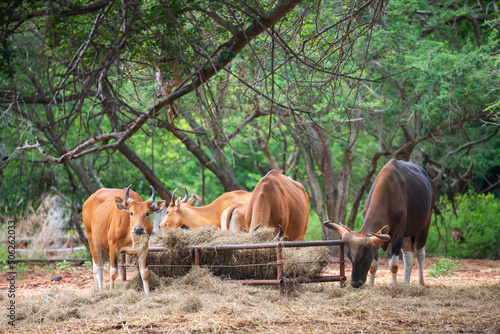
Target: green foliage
(444, 267)
(476, 217)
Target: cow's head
(175, 215)
(361, 249)
(140, 220)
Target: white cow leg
(144, 273)
(408, 262)
(420, 261)
(97, 276)
(113, 273)
(373, 271)
(393, 266)
(97, 265)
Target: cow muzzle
(357, 284)
(138, 230)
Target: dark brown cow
(278, 201)
(398, 209)
(116, 221)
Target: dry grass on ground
(199, 302)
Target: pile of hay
(297, 262)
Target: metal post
(279, 260)
(341, 260)
(196, 257)
(123, 269)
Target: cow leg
(113, 271)
(407, 259)
(394, 261)
(143, 268)
(393, 266)
(420, 261)
(97, 262)
(373, 271)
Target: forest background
(211, 95)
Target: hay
(303, 262)
(136, 282)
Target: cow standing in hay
(181, 213)
(118, 221)
(397, 211)
(278, 202)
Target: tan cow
(115, 225)
(182, 214)
(278, 202)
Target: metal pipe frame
(280, 280)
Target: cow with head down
(182, 214)
(118, 221)
(397, 211)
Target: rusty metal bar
(196, 257)
(279, 260)
(317, 279)
(123, 269)
(285, 244)
(341, 260)
(258, 281)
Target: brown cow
(116, 225)
(278, 202)
(182, 214)
(398, 208)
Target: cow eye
(131, 214)
(166, 213)
(147, 214)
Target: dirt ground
(468, 301)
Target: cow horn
(127, 197)
(244, 230)
(384, 237)
(279, 235)
(173, 196)
(256, 227)
(184, 200)
(153, 195)
(339, 228)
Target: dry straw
(304, 263)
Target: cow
(456, 235)
(277, 202)
(233, 218)
(397, 211)
(115, 225)
(181, 213)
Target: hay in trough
(297, 262)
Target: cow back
(401, 196)
(279, 200)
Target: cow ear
(158, 206)
(121, 203)
(191, 201)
